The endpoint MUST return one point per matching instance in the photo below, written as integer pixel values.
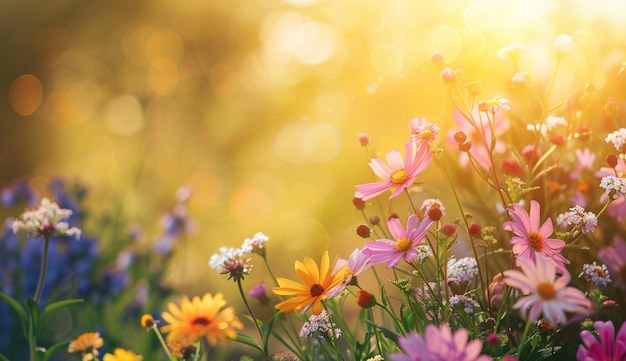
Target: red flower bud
(556, 139)
(365, 299)
(611, 160)
(448, 229)
(437, 59)
(358, 203)
(434, 213)
(460, 137)
(474, 229)
(465, 147)
(449, 77)
(363, 231)
(364, 139)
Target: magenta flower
(607, 348)
(545, 294)
(438, 344)
(399, 174)
(404, 245)
(530, 239)
(615, 259)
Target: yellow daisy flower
(122, 355)
(87, 343)
(201, 317)
(317, 282)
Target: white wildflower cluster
(468, 304)
(614, 186)
(618, 138)
(546, 127)
(375, 358)
(598, 274)
(320, 328)
(45, 221)
(255, 244)
(423, 253)
(462, 270)
(218, 261)
(430, 203)
(577, 217)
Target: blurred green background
(254, 104)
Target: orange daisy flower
(201, 317)
(88, 343)
(317, 282)
(122, 355)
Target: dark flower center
(546, 291)
(536, 241)
(316, 290)
(203, 321)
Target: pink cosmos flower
(399, 174)
(530, 239)
(479, 136)
(607, 347)
(439, 343)
(422, 130)
(585, 160)
(356, 264)
(405, 243)
(544, 292)
(615, 259)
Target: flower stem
(245, 302)
(163, 344)
(42, 270)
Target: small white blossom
(423, 253)
(45, 221)
(468, 304)
(563, 45)
(618, 138)
(614, 186)
(320, 328)
(550, 123)
(375, 358)
(511, 51)
(579, 218)
(230, 261)
(256, 244)
(598, 274)
(463, 270)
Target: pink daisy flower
(607, 347)
(422, 130)
(439, 343)
(405, 244)
(544, 292)
(355, 265)
(531, 239)
(615, 259)
(399, 174)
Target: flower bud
(434, 213)
(147, 321)
(364, 139)
(563, 45)
(259, 292)
(448, 229)
(449, 77)
(363, 231)
(557, 139)
(365, 299)
(460, 137)
(358, 203)
(582, 133)
(493, 340)
(483, 106)
(465, 147)
(374, 220)
(511, 167)
(611, 160)
(437, 59)
(474, 229)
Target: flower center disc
(399, 176)
(536, 241)
(403, 244)
(316, 290)
(203, 321)
(546, 291)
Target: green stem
(523, 340)
(163, 344)
(42, 270)
(245, 302)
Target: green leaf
(33, 309)
(390, 334)
(55, 348)
(15, 305)
(3, 358)
(247, 340)
(60, 304)
(267, 330)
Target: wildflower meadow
(484, 221)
